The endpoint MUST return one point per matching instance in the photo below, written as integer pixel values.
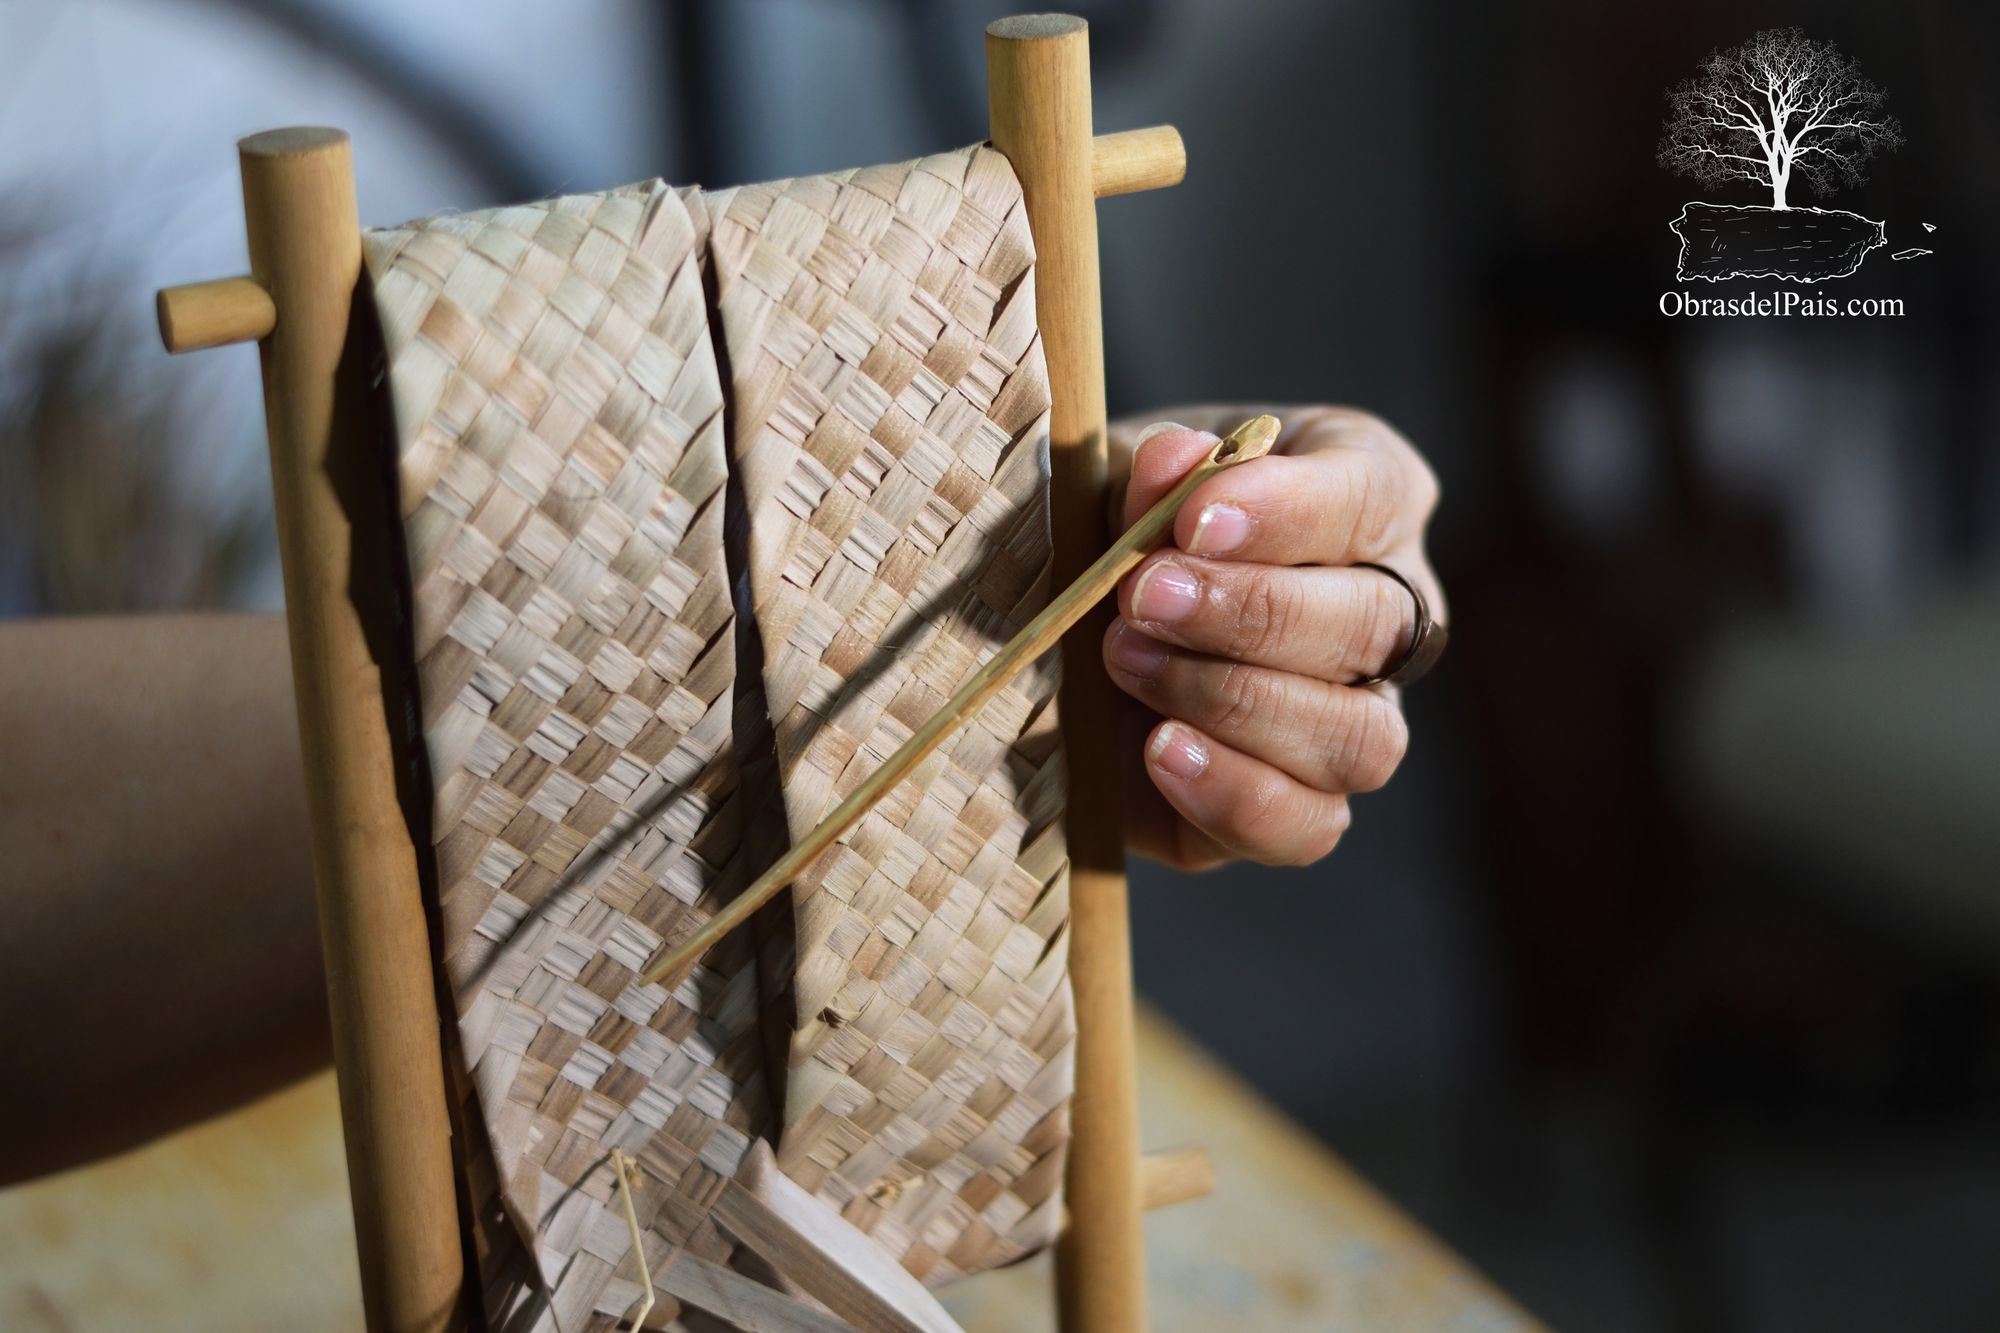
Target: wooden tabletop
(243, 1223)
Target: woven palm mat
(566, 487)
(890, 404)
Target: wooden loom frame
(297, 302)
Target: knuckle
(1322, 833)
(1257, 816)
(1354, 503)
(1375, 629)
(1416, 478)
(1376, 745)
(1393, 482)
(1374, 506)
(1360, 738)
(1331, 736)
(1232, 696)
(1425, 490)
(1390, 442)
(1357, 427)
(1313, 838)
(1267, 614)
(1326, 833)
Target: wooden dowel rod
(1252, 439)
(1173, 1176)
(1038, 109)
(200, 315)
(334, 514)
(1134, 160)
(211, 314)
(645, 1306)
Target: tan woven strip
(890, 426)
(563, 472)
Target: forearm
(160, 959)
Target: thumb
(1166, 453)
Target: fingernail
(1220, 529)
(1159, 428)
(1137, 654)
(1166, 593)
(1176, 750)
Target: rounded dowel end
(1034, 27)
(291, 141)
(1134, 160)
(213, 314)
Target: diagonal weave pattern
(567, 495)
(891, 401)
(562, 468)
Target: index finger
(1166, 453)
(1329, 506)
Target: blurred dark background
(1664, 982)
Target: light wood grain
(211, 314)
(623, 1165)
(1250, 440)
(333, 508)
(1038, 110)
(1133, 160)
(1171, 1176)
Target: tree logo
(1779, 110)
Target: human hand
(1246, 634)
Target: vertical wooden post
(305, 250)
(1038, 105)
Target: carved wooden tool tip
(1252, 439)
